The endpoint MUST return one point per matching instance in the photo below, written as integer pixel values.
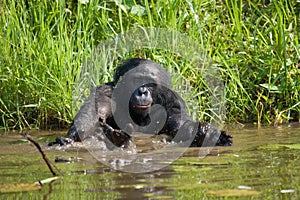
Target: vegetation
(255, 45)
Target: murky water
(263, 164)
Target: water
(262, 164)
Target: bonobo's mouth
(142, 106)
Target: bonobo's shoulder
(105, 86)
(104, 89)
(166, 94)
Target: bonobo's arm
(180, 127)
(203, 134)
(91, 121)
(96, 106)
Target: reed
(254, 44)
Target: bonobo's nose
(143, 91)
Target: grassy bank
(255, 44)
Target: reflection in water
(263, 164)
(135, 186)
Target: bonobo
(140, 100)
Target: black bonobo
(140, 100)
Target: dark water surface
(263, 164)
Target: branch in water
(28, 137)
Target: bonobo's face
(141, 100)
(141, 83)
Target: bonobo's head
(137, 78)
(138, 69)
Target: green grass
(254, 44)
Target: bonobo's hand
(225, 139)
(207, 130)
(118, 137)
(61, 141)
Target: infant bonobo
(140, 99)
